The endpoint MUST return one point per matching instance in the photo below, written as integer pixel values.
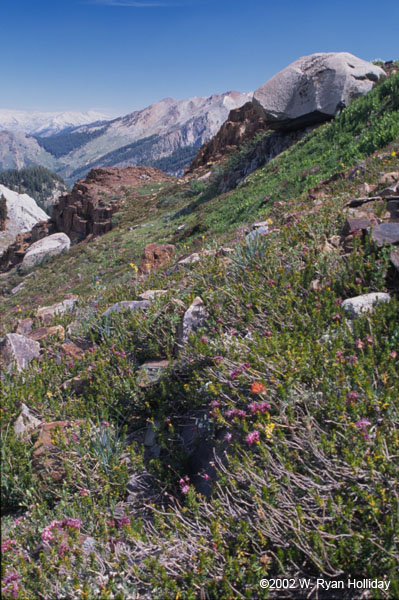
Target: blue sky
(121, 55)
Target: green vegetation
(296, 408)
(38, 182)
(63, 143)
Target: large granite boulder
(314, 88)
(42, 250)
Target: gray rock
(314, 88)
(258, 232)
(25, 422)
(385, 233)
(19, 350)
(46, 313)
(44, 249)
(194, 318)
(131, 305)
(355, 307)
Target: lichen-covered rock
(18, 350)
(314, 88)
(44, 249)
(43, 333)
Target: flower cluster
(257, 388)
(10, 588)
(184, 484)
(252, 437)
(259, 407)
(362, 424)
(47, 533)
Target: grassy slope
(315, 496)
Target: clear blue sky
(121, 55)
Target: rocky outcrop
(16, 251)
(88, 208)
(241, 126)
(42, 251)
(314, 88)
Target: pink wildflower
(362, 423)
(206, 476)
(359, 344)
(336, 318)
(228, 437)
(393, 354)
(84, 492)
(351, 396)
(261, 407)
(252, 437)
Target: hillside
(239, 423)
(38, 182)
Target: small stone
(46, 313)
(358, 305)
(25, 422)
(17, 288)
(150, 372)
(255, 233)
(72, 351)
(131, 305)
(194, 318)
(19, 350)
(152, 294)
(190, 260)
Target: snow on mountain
(46, 123)
(22, 214)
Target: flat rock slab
(19, 350)
(46, 313)
(385, 233)
(43, 333)
(130, 305)
(355, 307)
(356, 224)
(44, 249)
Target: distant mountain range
(46, 123)
(165, 135)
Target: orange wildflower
(257, 388)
